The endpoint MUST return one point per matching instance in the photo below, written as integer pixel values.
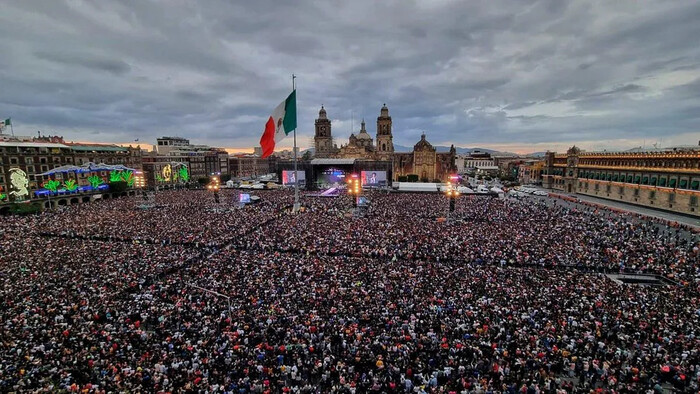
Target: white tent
(464, 189)
(416, 187)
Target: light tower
(354, 188)
(452, 193)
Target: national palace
(667, 179)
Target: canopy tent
(87, 167)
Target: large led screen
(373, 178)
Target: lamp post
(354, 189)
(214, 185)
(452, 194)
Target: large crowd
(510, 295)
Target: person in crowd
(509, 296)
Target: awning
(672, 183)
(87, 167)
(683, 184)
(695, 185)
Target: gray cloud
(498, 72)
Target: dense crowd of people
(194, 296)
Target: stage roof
(332, 162)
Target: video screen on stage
(373, 178)
(331, 176)
(288, 178)
(244, 198)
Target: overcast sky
(515, 75)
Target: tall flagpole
(296, 175)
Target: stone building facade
(423, 161)
(666, 179)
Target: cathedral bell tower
(385, 144)
(323, 141)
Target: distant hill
(537, 154)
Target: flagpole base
(296, 208)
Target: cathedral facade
(424, 161)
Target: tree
(225, 178)
(306, 156)
(412, 177)
(203, 180)
(118, 186)
(25, 209)
(403, 178)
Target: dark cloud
(498, 72)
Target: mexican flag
(282, 121)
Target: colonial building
(660, 178)
(251, 165)
(201, 160)
(424, 161)
(32, 157)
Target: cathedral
(424, 161)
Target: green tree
(306, 156)
(203, 180)
(118, 186)
(403, 178)
(25, 209)
(412, 177)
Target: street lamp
(452, 194)
(354, 188)
(214, 185)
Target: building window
(694, 201)
(13, 160)
(671, 198)
(652, 194)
